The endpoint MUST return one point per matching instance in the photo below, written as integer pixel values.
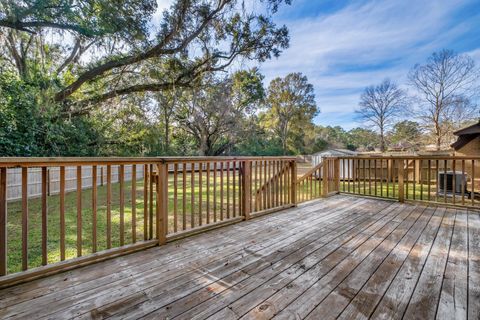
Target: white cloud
(344, 51)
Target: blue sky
(344, 46)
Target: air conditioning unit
(445, 182)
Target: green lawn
(14, 220)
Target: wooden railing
(445, 180)
(164, 199)
(320, 181)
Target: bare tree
(380, 105)
(445, 85)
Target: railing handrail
(309, 172)
(65, 161)
(409, 157)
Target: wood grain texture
(353, 258)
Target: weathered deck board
(342, 257)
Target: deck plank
(74, 305)
(295, 263)
(424, 301)
(364, 303)
(284, 286)
(473, 265)
(185, 295)
(343, 257)
(308, 300)
(180, 254)
(403, 238)
(454, 294)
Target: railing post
(293, 186)
(246, 196)
(401, 188)
(162, 203)
(325, 177)
(337, 174)
(3, 221)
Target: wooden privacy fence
(446, 180)
(34, 184)
(162, 200)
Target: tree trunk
(438, 136)
(382, 140)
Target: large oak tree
(100, 49)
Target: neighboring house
(468, 145)
(317, 158)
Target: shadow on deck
(345, 256)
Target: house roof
(335, 152)
(466, 135)
(473, 129)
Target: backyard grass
(14, 220)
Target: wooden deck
(343, 257)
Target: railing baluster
(406, 176)
(121, 172)
(150, 208)
(145, 201)
(463, 182)
(200, 193)
(234, 189)
(473, 183)
(454, 180)
(429, 178)
(241, 176)
(215, 192)
(277, 183)
(208, 192)
(381, 178)
(228, 190)
(62, 213)
(414, 178)
(134, 203)
(3, 221)
(445, 181)
(437, 182)
(109, 206)
(24, 218)
(256, 186)
(250, 187)
(94, 209)
(44, 217)
(184, 196)
(422, 181)
(192, 195)
(175, 197)
(221, 190)
(265, 189)
(354, 174)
